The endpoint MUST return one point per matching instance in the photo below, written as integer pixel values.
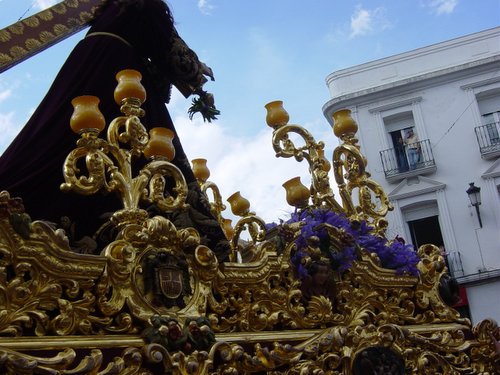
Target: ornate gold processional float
(322, 293)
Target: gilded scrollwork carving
(432, 269)
(313, 152)
(163, 298)
(216, 204)
(349, 171)
(257, 231)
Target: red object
(463, 301)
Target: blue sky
(261, 50)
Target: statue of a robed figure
(130, 34)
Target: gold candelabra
(320, 191)
(348, 169)
(109, 165)
(240, 206)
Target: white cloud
(361, 22)
(205, 7)
(335, 35)
(366, 21)
(245, 164)
(44, 4)
(442, 6)
(8, 129)
(4, 94)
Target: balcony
(412, 160)
(482, 276)
(489, 140)
(454, 264)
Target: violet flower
(392, 254)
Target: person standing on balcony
(401, 155)
(413, 144)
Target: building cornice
(398, 88)
(398, 104)
(482, 83)
(410, 55)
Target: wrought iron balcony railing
(408, 160)
(488, 138)
(454, 264)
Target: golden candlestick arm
(202, 173)
(256, 227)
(349, 171)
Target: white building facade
(429, 124)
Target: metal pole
(478, 215)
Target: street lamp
(474, 194)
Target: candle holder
(297, 195)
(129, 87)
(228, 229)
(276, 114)
(201, 172)
(239, 206)
(86, 115)
(109, 166)
(249, 221)
(160, 144)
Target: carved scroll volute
(206, 263)
(116, 279)
(432, 269)
(348, 164)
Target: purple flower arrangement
(393, 254)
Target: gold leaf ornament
(32, 43)
(60, 29)
(4, 36)
(17, 28)
(17, 51)
(31, 22)
(46, 36)
(46, 15)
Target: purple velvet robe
(31, 168)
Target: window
(404, 139)
(490, 121)
(489, 108)
(425, 230)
